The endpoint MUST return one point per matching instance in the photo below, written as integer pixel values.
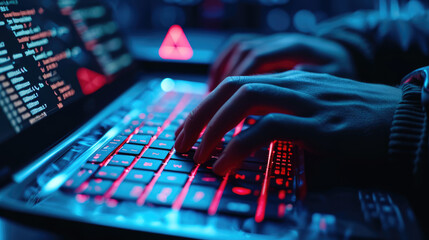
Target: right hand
(251, 54)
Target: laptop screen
(53, 53)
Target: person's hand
(249, 55)
(328, 115)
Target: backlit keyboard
(140, 165)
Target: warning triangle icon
(90, 81)
(175, 45)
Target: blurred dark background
(209, 23)
(265, 16)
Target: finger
(218, 68)
(200, 116)
(326, 68)
(251, 99)
(244, 50)
(271, 127)
(179, 129)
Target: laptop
(87, 147)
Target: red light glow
(175, 45)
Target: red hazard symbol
(90, 81)
(175, 45)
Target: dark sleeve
(382, 48)
(408, 149)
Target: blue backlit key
(128, 191)
(155, 153)
(199, 197)
(97, 187)
(140, 176)
(173, 178)
(77, 179)
(109, 172)
(132, 149)
(167, 135)
(140, 139)
(163, 194)
(179, 166)
(163, 144)
(121, 160)
(148, 164)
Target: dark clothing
(384, 51)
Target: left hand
(327, 114)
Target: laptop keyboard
(140, 165)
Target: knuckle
(247, 91)
(232, 82)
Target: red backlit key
(148, 164)
(241, 192)
(97, 187)
(140, 139)
(163, 194)
(155, 153)
(148, 130)
(199, 197)
(163, 144)
(253, 167)
(132, 149)
(248, 176)
(179, 166)
(167, 135)
(77, 179)
(207, 179)
(173, 178)
(109, 172)
(121, 160)
(139, 176)
(128, 191)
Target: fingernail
(179, 142)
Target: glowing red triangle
(90, 81)
(175, 45)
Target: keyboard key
(155, 153)
(148, 130)
(139, 176)
(233, 206)
(179, 166)
(131, 149)
(167, 135)
(248, 176)
(154, 123)
(253, 167)
(128, 191)
(97, 187)
(109, 172)
(182, 156)
(163, 144)
(241, 192)
(209, 179)
(91, 166)
(98, 157)
(148, 164)
(163, 194)
(121, 160)
(173, 178)
(77, 179)
(140, 139)
(199, 197)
